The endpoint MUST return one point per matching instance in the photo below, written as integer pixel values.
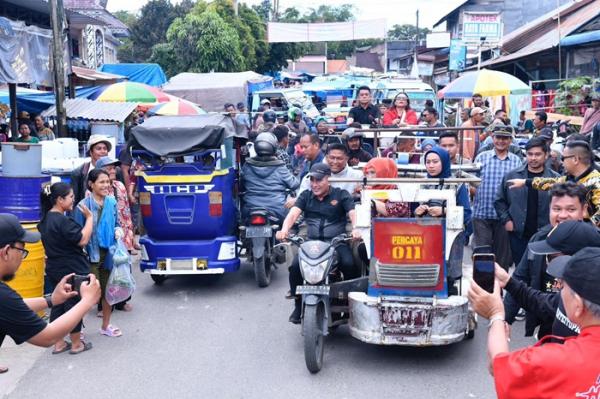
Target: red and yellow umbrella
(176, 106)
(131, 92)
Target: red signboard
(409, 242)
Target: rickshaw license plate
(258, 231)
(402, 317)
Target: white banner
(279, 32)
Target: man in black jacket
(568, 203)
(524, 211)
(566, 238)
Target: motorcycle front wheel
(262, 267)
(312, 328)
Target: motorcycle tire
(312, 329)
(263, 268)
(158, 278)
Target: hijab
(384, 168)
(445, 158)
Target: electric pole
(57, 18)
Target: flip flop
(3, 369)
(111, 331)
(86, 347)
(63, 350)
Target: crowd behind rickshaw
(372, 222)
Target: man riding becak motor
(265, 179)
(325, 211)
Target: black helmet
(265, 144)
(269, 116)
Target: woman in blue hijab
(437, 164)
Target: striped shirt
(492, 171)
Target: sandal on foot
(63, 350)
(3, 369)
(86, 347)
(111, 331)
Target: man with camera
(569, 369)
(17, 315)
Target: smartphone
(483, 271)
(77, 280)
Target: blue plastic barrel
(21, 196)
(187, 202)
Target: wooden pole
(12, 98)
(56, 20)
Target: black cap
(567, 238)
(319, 171)
(546, 133)
(11, 231)
(582, 274)
(556, 267)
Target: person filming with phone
(63, 241)
(17, 315)
(566, 369)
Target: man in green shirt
(25, 135)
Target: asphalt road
(226, 338)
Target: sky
(394, 11)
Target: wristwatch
(48, 299)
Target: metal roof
(95, 76)
(94, 110)
(542, 33)
(450, 13)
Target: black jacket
(511, 203)
(546, 306)
(530, 270)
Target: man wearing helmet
(265, 178)
(295, 122)
(269, 121)
(356, 153)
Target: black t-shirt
(16, 319)
(325, 219)
(364, 116)
(531, 218)
(125, 156)
(61, 236)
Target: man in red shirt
(569, 369)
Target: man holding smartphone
(17, 315)
(569, 369)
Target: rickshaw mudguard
(446, 320)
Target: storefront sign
(482, 27)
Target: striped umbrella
(131, 92)
(485, 82)
(176, 106)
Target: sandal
(63, 350)
(3, 369)
(111, 331)
(86, 347)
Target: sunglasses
(563, 157)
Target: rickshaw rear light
(215, 203)
(145, 204)
(258, 220)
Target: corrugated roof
(541, 34)
(94, 110)
(95, 76)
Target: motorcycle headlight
(313, 274)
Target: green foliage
(572, 92)
(406, 32)
(151, 27)
(126, 51)
(199, 43)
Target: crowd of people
(533, 210)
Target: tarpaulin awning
(94, 110)
(581, 38)
(35, 101)
(212, 90)
(150, 74)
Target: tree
(151, 27)
(406, 32)
(264, 10)
(200, 43)
(126, 51)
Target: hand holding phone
(484, 270)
